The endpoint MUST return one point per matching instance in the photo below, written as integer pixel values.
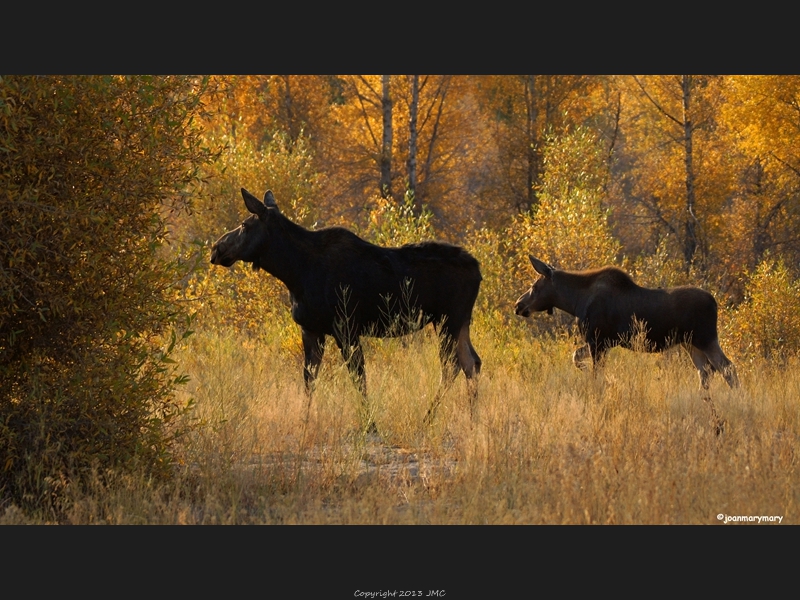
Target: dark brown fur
(345, 287)
(608, 304)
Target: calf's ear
(253, 204)
(541, 268)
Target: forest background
(115, 187)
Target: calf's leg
(581, 355)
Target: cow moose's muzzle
(218, 258)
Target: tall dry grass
(632, 443)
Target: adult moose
(345, 287)
(608, 304)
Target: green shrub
(393, 224)
(767, 323)
(240, 299)
(89, 167)
(569, 228)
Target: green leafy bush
(240, 299)
(569, 227)
(393, 224)
(767, 323)
(89, 169)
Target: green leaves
(570, 226)
(87, 321)
(767, 323)
(392, 224)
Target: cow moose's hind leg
(353, 355)
(456, 351)
(701, 362)
(313, 350)
(712, 359)
(705, 366)
(721, 363)
(449, 361)
(470, 363)
(467, 358)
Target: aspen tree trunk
(412, 138)
(427, 166)
(690, 243)
(287, 99)
(532, 115)
(386, 148)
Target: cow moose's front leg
(313, 349)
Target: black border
(337, 561)
(496, 39)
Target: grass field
(633, 443)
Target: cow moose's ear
(253, 204)
(269, 200)
(541, 268)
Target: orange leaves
(764, 113)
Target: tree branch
(656, 104)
